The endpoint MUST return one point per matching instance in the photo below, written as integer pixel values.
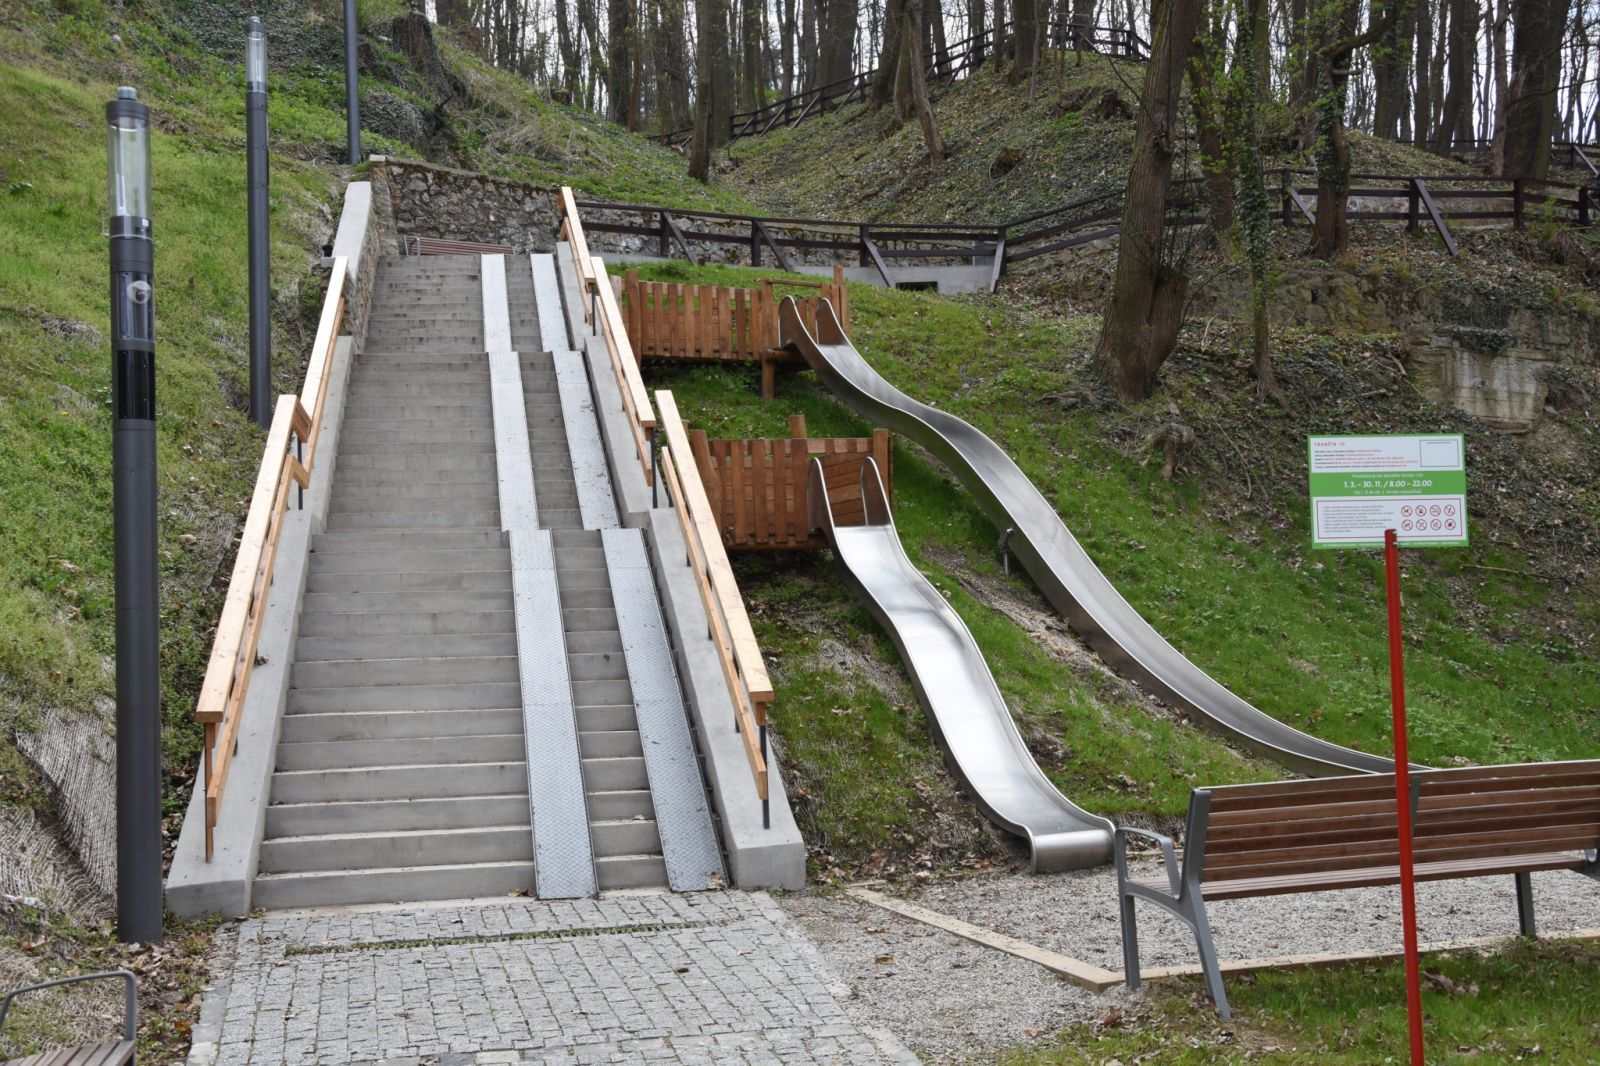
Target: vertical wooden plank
(797, 427)
(736, 485)
(784, 525)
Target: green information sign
(1362, 486)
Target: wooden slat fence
(716, 323)
(757, 488)
(288, 461)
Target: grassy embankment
(1216, 559)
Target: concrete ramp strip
(547, 295)
(597, 503)
(1062, 570)
(970, 718)
(689, 842)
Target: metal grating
(547, 295)
(597, 503)
(689, 842)
(563, 853)
(496, 309)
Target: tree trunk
(711, 32)
(976, 30)
(912, 59)
(1524, 147)
(1422, 115)
(619, 61)
(884, 80)
(933, 18)
(1146, 306)
(1389, 76)
(1333, 147)
(836, 31)
(1025, 27)
(810, 61)
(1207, 74)
(750, 38)
(1462, 45)
(786, 37)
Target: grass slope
(1216, 560)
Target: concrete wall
(222, 885)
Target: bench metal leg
(1130, 944)
(1525, 904)
(1208, 961)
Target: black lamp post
(255, 110)
(352, 86)
(133, 460)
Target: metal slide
(1063, 571)
(969, 715)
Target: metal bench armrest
(1167, 853)
(130, 992)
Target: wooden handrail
(743, 670)
(625, 365)
(220, 706)
(572, 231)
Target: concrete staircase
(401, 769)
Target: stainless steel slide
(969, 715)
(1060, 567)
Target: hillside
(59, 63)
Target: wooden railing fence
(757, 488)
(668, 320)
(743, 670)
(604, 316)
(662, 440)
(287, 462)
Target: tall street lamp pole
(352, 87)
(133, 460)
(255, 110)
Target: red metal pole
(1402, 796)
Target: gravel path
(953, 1001)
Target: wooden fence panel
(714, 323)
(757, 488)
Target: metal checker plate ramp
(513, 462)
(496, 305)
(597, 503)
(547, 297)
(563, 854)
(689, 842)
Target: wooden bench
(1330, 833)
(109, 1053)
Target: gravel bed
(947, 999)
(953, 1001)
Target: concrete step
(614, 774)
(377, 411)
(610, 744)
(406, 623)
(465, 695)
(439, 780)
(597, 666)
(438, 540)
(302, 729)
(440, 371)
(354, 520)
(580, 558)
(390, 602)
(574, 578)
(421, 362)
(627, 805)
(403, 751)
(414, 481)
(465, 497)
(409, 581)
(366, 674)
(418, 462)
(560, 518)
(325, 649)
(627, 836)
(413, 561)
(373, 816)
(588, 619)
(601, 693)
(577, 538)
(466, 452)
(594, 641)
(456, 391)
(344, 887)
(461, 339)
(584, 598)
(443, 433)
(615, 872)
(417, 847)
(607, 718)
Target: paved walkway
(721, 977)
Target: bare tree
(1522, 143)
(912, 63)
(1333, 146)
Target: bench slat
(1429, 801)
(1325, 881)
(1361, 853)
(1490, 815)
(110, 1053)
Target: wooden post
(664, 237)
(1519, 202)
(865, 259)
(797, 427)
(1413, 205)
(1583, 205)
(755, 244)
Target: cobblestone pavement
(717, 977)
